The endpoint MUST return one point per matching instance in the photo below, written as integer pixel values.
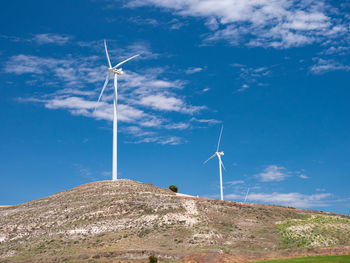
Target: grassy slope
(131, 220)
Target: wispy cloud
(178, 126)
(143, 21)
(143, 136)
(170, 140)
(294, 199)
(50, 38)
(235, 182)
(119, 54)
(205, 121)
(192, 70)
(326, 65)
(168, 103)
(173, 24)
(176, 24)
(145, 99)
(42, 39)
(251, 75)
(336, 50)
(72, 72)
(277, 24)
(243, 88)
(273, 173)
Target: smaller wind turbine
(246, 195)
(219, 154)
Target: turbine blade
(109, 62)
(210, 158)
(124, 61)
(217, 149)
(222, 164)
(104, 86)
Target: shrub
(173, 188)
(152, 259)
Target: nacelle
(119, 71)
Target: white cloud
(150, 136)
(235, 182)
(212, 23)
(303, 176)
(243, 88)
(273, 173)
(174, 140)
(291, 199)
(70, 103)
(338, 50)
(176, 24)
(251, 75)
(204, 90)
(168, 103)
(119, 54)
(22, 64)
(144, 99)
(143, 21)
(193, 70)
(137, 131)
(177, 126)
(170, 140)
(41, 39)
(149, 83)
(72, 72)
(82, 106)
(206, 121)
(51, 39)
(267, 23)
(327, 65)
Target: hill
(128, 220)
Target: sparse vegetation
(152, 259)
(173, 188)
(315, 231)
(126, 220)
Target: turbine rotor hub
(116, 71)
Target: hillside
(128, 220)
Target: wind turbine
(219, 154)
(114, 71)
(246, 195)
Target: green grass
(315, 231)
(318, 259)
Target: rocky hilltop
(121, 220)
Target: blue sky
(274, 73)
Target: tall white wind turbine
(219, 154)
(115, 72)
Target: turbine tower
(115, 72)
(219, 154)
